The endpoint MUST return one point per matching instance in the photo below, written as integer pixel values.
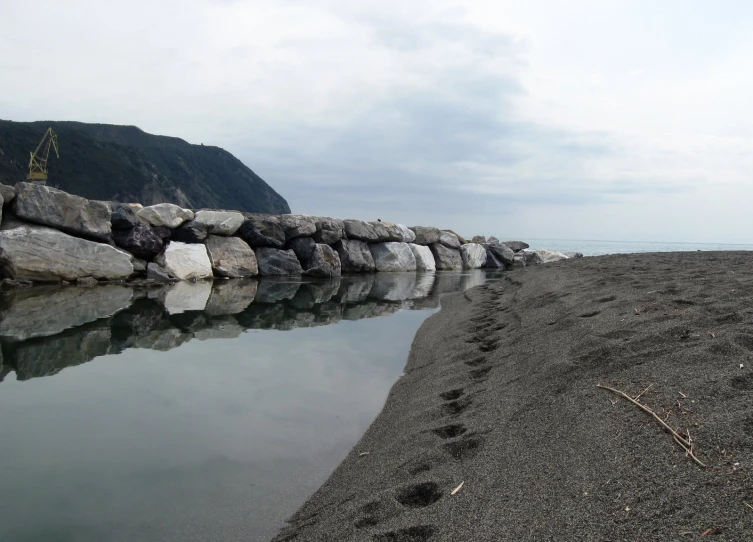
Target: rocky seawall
(47, 235)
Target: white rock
(408, 234)
(548, 256)
(218, 222)
(186, 296)
(474, 256)
(424, 258)
(186, 261)
(393, 257)
(165, 214)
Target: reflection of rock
(393, 286)
(219, 328)
(426, 303)
(262, 315)
(393, 257)
(355, 256)
(231, 296)
(447, 282)
(185, 261)
(272, 290)
(355, 288)
(314, 293)
(48, 310)
(273, 261)
(424, 257)
(231, 257)
(359, 311)
(423, 285)
(46, 254)
(446, 258)
(474, 256)
(185, 296)
(165, 214)
(162, 339)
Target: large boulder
(231, 257)
(503, 253)
(165, 214)
(141, 241)
(446, 258)
(492, 262)
(260, 230)
(355, 256)
(424, 257)
(479, 239)
(231, 296)
(273, 261)
(52, 207)
(532, 257)
(409, 236)
(123, 217)
(297, 226)
(8, 194)
(46, 254)
(303, 248)
(516, 246)
(387, 231)
(218, 222)
(393, 256)
(493, 240)
(328, 230)
(547, 256)
(474, 256)
(324, 262)
(185, 261)
(449, 239)
(360, 231)
(190, 232)
(518, 261)
(426, 235)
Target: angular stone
(156, 272)
(260, 230)
(52, 207)
(139, 265)
(359, 230)
(324, 262)
(502, 252)
(312, 294)
(273, 290)
(474, 256)
(328, 230)
(446, 258)
(386, 232)
(355, 256)
(46, 254)
(424, 257)
(165, 214)
(231, 296)
(303, 248)
(297, 226)
(449, 239)
(141, 241)
(190, 232)
(426, 235)
(393, 256)
(518, 261)
(516, 246)
(231, 257)
(409, 236)
(8, 193)
(273, 261)
(123, 217)
(493, 240)
(218, 222)
(186, 296)
(532, 257)
(479, 239)
(185, 261)
(355, 289)
(548, 256)
(492, 262)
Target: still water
(194, 412)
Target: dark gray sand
(500, 394)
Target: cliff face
(123, 163)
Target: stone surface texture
(474, 256)
(516, 246)
(8, 193)
(141, 241)
(328, 230)
(355, 256)
(46, 254)
(231, 257)
(273, 261)
(185, 261)
(446, 258)
(479, 239)
(548, 256)
(52, 207)
(324, 262)
(303, 248)
(297, 226)
(259, 230)
(504, 253)
(424, 257)
(123, 217)
(449, 239)
(165, 214)
(218, 222)
(360, 231)
(409, 236)
(190, 232)
(393, 256)
(426, 235)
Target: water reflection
(45, 329)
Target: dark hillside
(123, 163)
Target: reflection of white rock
(43, 311)
(355, 288)
(393, 286)
(423, 285)
(424, 257)
(186, 261)
(186, 296)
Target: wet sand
(500, 395)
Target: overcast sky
(603, 119)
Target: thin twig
(644, 391)
(680, 440)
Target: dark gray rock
(328, 230)
(516, 246)
(355, 256)
(493, 240)
(273, 290)
(262, 230)
(139, 265)
(312, 294)
(359, 230)
(273, 261)
(157, 272)
(446, 258)
(52, 207)
(8, 193)
(231, 257)
(519, 261)
(123, 217)
(449, 239)
(532, 257)
(297, 226)
(426, 235)
(479, 239)
(355, 289)
(231, 296)
(141, 241)
(189, 232)
(324, 262)
(303, 248)
(503, 253)
(492, 262)
(386, 232)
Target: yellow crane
(38, 162)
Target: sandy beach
(500, 406)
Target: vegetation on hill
(124, 163)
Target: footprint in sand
(452, 395)
(420, 533)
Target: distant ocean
(596, 248)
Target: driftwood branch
(687, 446)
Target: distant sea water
(598, 248)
